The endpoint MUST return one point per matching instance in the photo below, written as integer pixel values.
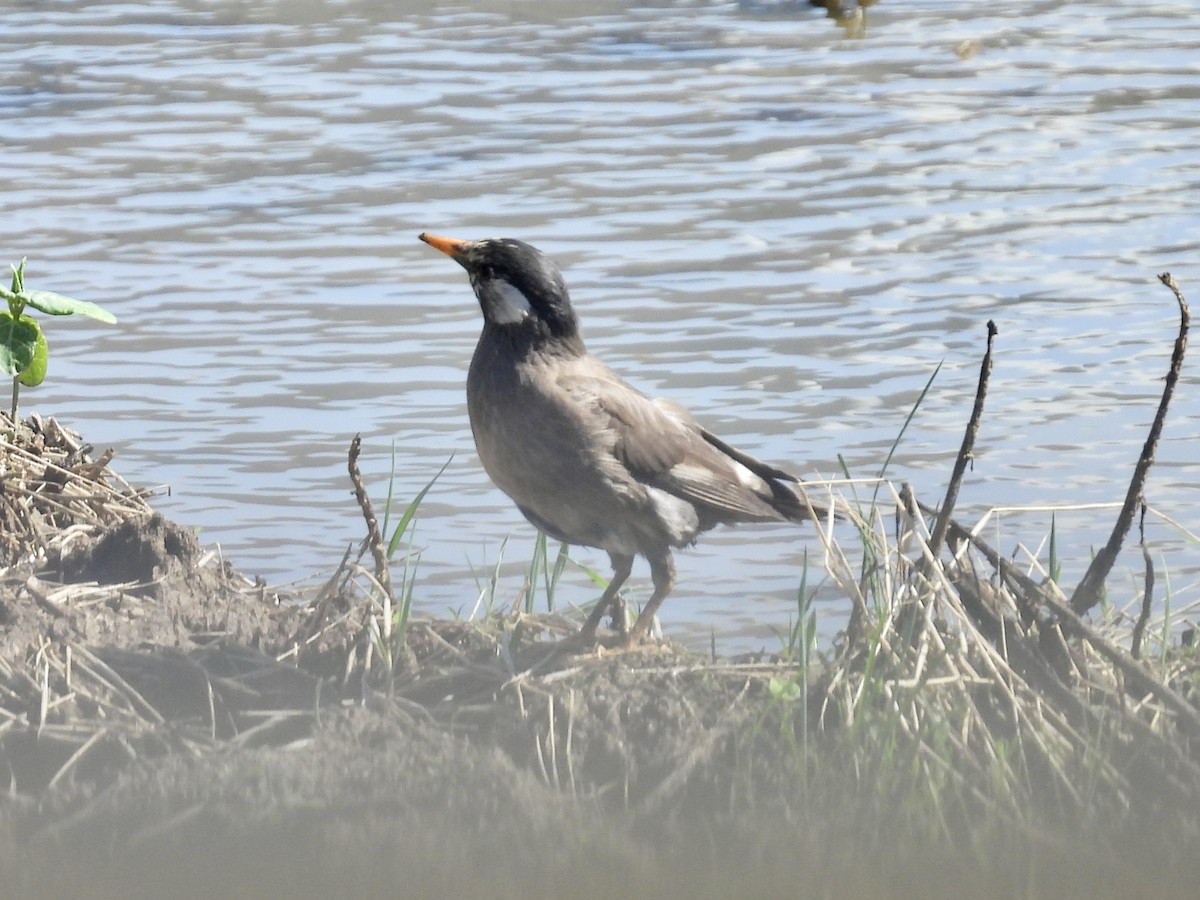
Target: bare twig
(383, 572)
(1139, 629)
(965, 452)
(1087, 593)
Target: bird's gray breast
(554, 452)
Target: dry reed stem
(1139, 628)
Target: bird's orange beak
(452, 247)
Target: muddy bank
(168, 727)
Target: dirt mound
(146, 553)
(88, 598)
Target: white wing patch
(677, 515)
(749, 480)
(509, 304)
(700, 475)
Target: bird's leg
(618, 621)
(662, 571)
(622, 566)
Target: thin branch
(966, 451)
(1087, 593)
(1139, 629)
(383, 572)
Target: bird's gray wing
(660, 445)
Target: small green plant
(802, 635)
(787, 695)
(1055, 565)
(786, 691)
(23, 349)
(549, 575)
(486, 599)
(388, 629)
(407, 526)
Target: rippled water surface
(784, 227)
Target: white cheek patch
(509, 305)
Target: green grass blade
(1055, 563)
(560, 563)
(903, 428)
(411, 510)
(537, 566)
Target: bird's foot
(644, 628)
(588, 640)
(629, 641)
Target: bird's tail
(788, 497)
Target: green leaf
(35, 372)
(57, 305)
(18, 343)
(18, 281)
(787, 691)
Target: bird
(586, 457)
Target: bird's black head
(519, 288)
